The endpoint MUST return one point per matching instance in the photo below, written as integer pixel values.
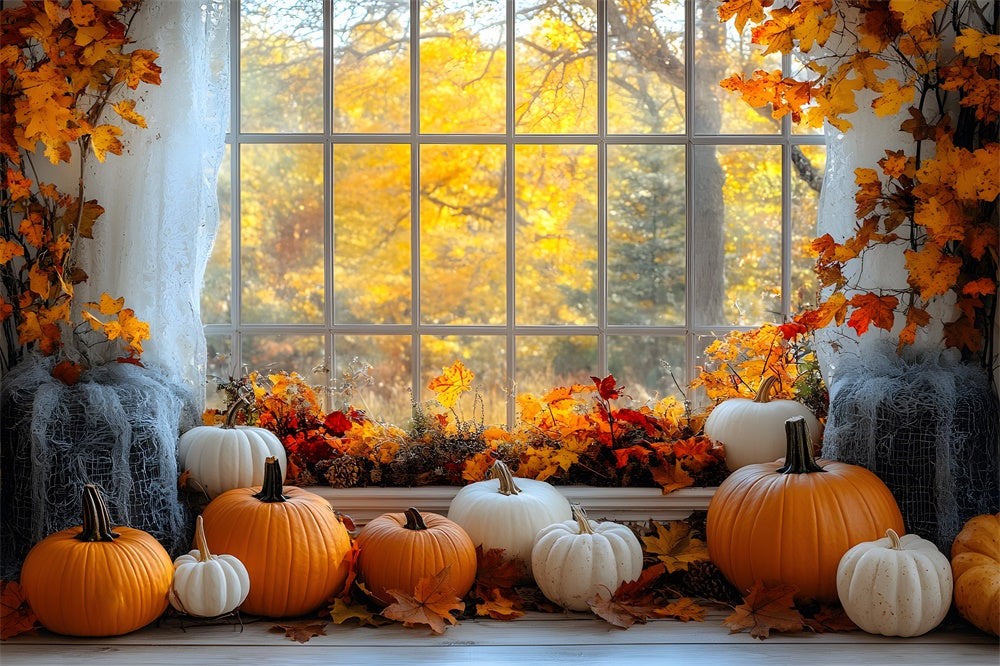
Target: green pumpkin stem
(414, 521)
(502, 472)
(270, 491)
(798, 454)
(96, 519)
(581, 519)
(764, 392)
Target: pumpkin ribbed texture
(290, 540)
(396, 550)
(91, 580)
(792, 523)
(975, 564)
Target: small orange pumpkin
(792, 520)
(975, 565)
(92, 580)
(293, 544)
(396, 550)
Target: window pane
(807, 178)
(462, 234)
(556, 270)
(371, 217)
(737, 234)
(462, 66)
(281, 233)
(216, 292)
(547, 361)
(646, 235)
(220, 368)
(281, 65)
(303, 354)
(646, 67)
(485, 356)
(556, 67)
(719, 53)
(390, 372)
(371, 67)
(644, 363)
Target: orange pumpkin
(791, 521)
(92, 580)
(293, 544)
(396, 550)
(975, 566)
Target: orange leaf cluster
(60, 65)
(941, 211)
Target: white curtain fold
(154, 240)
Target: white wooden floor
(537, 638)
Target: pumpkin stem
(234, 409)
(798, 453)
(200, 543)
(502, 472)
(764, 392)
(893, 539)
(414, 521)
(581, 519)
(270, 491)
(96, 519)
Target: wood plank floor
(537, 638)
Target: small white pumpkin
(571, 560)
(896, 586)
(207, 585)
(753, 431)
(504, 512)
(225, 457)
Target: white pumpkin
(571, 560)
(896, 586)
(504, 512)
(207, 585)
(753, 431)
(224, 457)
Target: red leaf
(67, 372)
(607, 388)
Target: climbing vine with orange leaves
(63, 67)
(939, 61)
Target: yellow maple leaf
(9, 250)
(453, 381)
(126, 109)
(972, 44)
(943, 218)
(743, 11)
(979, 179)
(931, 271)
(141, 68)
(778, 32)
(916, 13)
(104, 139)
(33, 230)
(675, 547)
(107, 305)
(893, 96)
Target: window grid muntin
(692, 332)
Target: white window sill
(363, 504)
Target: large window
(544, 189)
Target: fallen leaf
(341, 612)
(430, 604)
(301, 631)
(499, 607)
(765, 609)
(16, 617)
(830, 618)
(675, 547)
(632, 602)
(684, 609)
(496, 571)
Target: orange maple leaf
(16, 617)
(671, 477)
(496, 571)
(430, 604)
(499, 607)
(743, 10)
(452, 383)
(872, 309)
(765, 609)
(301, 631)
(632, 602)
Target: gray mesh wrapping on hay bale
(117, 427)
(928, 430)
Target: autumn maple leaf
(632, 602)
(608, 387)
(872, 309)
(675, 547)
(499, 607)
(452, 383)
(301, 631)
(671, 477)
(765, 609)
(341, 612)
(430, 604)
(684, 609)
(16, 617)
(496, 571)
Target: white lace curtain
(160, 198)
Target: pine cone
(344, 472)
(376, 474)
(703, 580)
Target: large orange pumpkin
(791, 521)
(293, 544)
(92, 580)
(396, 550)
(975, 566)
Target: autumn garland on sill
(61, 65)
(571, 435)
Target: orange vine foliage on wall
(938, 61)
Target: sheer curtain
(160, 198)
